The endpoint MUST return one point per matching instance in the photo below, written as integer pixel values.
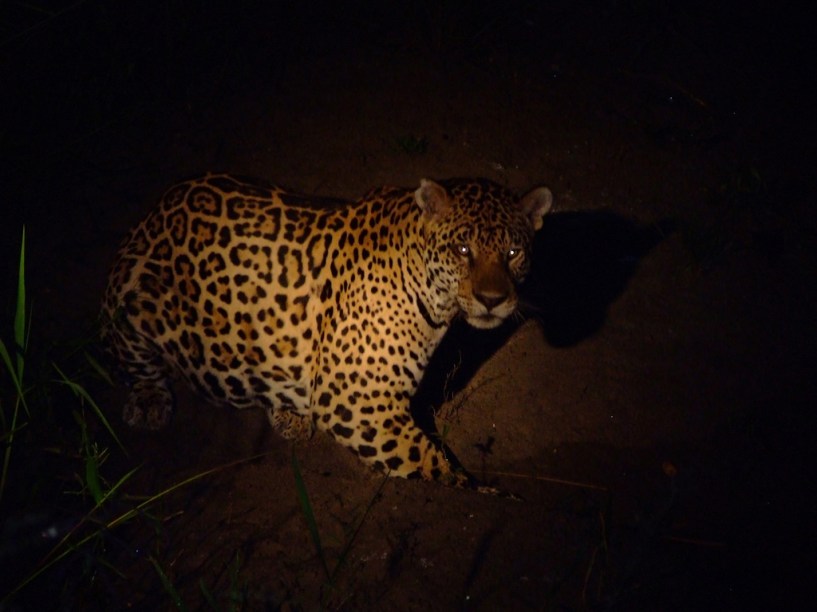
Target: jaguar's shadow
(583, 261)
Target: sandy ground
(652, 410)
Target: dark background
(84, 75)
(683, 124)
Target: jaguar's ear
(432, 198)
(536, 204)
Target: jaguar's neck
(434, 307)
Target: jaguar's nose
(490, 300)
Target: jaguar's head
(478, 244)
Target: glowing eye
(462, 249)
(514, 252)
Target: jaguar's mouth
(484, 321)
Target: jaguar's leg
(290, 425)
(150, 402)
(420, 457)
(389, 439)
(149, 405)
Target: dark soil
(654, 409)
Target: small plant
(312, 525)
(167, 583)
(24, 415)
(55, 434)
(14, 361)
(73, 541)
(15, 367)
(237, 594)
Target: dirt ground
(653, 408)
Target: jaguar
(323, 312)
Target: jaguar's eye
(462, 249)
(514, 252)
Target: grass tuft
(312, 525)
(54, 433)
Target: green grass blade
(236, 592)
(350, 540)
(45, 563)
(92, 478)
(4, 354)
(93, 460)
(309, 515)
(20, 314)
(55, 555)
(9, 444)
(8, 436)
(168, 585)
(154, 498)
(208, 596)
(98, 368)
(13, 372)
(83, 394)
(20, 339)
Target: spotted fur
(324, 312)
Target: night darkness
(653, 410)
